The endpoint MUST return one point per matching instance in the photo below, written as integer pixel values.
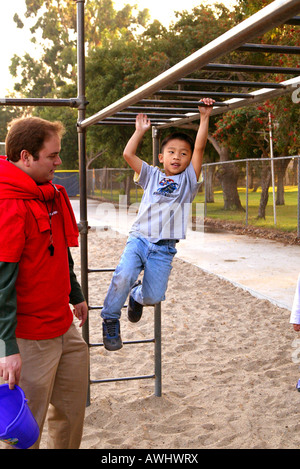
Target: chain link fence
(110, 183)
(260, 192)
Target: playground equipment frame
(164, 114)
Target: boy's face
(176, 156)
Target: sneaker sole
(111, 347)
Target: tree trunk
(265, 184)
(127, 188)
(280, 189)
(228, 175)
(253, 180)
(281, 166)
(209, 184)
(295, 172)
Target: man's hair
(178, 136)
(29, 133)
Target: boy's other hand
(142, 123)
(206, 110)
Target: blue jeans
(140, 254)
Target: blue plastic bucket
(18, 427)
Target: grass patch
(286, 215)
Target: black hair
(178, 136)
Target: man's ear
(25, 158)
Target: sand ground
(229, 365)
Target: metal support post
(298, 202)
(272, 167)
(155, 145)
(157, 349)
(157, 308)
(247, 191)
(205, 191)
(83, 224)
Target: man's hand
(296, 327)
(10, 369)
(81, 311)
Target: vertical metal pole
(82, 165)
(247, 184)
(205, 192)
(155, 145)
(157, 352)
(272, 166)
(157, 308)
(298, 204)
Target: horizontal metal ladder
(156, 340)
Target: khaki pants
(54, 377)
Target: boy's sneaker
(134, 309)
(111, 334)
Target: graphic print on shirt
(167, 186)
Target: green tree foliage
(54, 31)
(114, 71)
(7, 114)
(53, 72)
(244, 131)
(124, 51)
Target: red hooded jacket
(43, 283)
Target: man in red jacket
(40, 347)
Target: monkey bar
(269, 17)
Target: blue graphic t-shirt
(165, 205)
